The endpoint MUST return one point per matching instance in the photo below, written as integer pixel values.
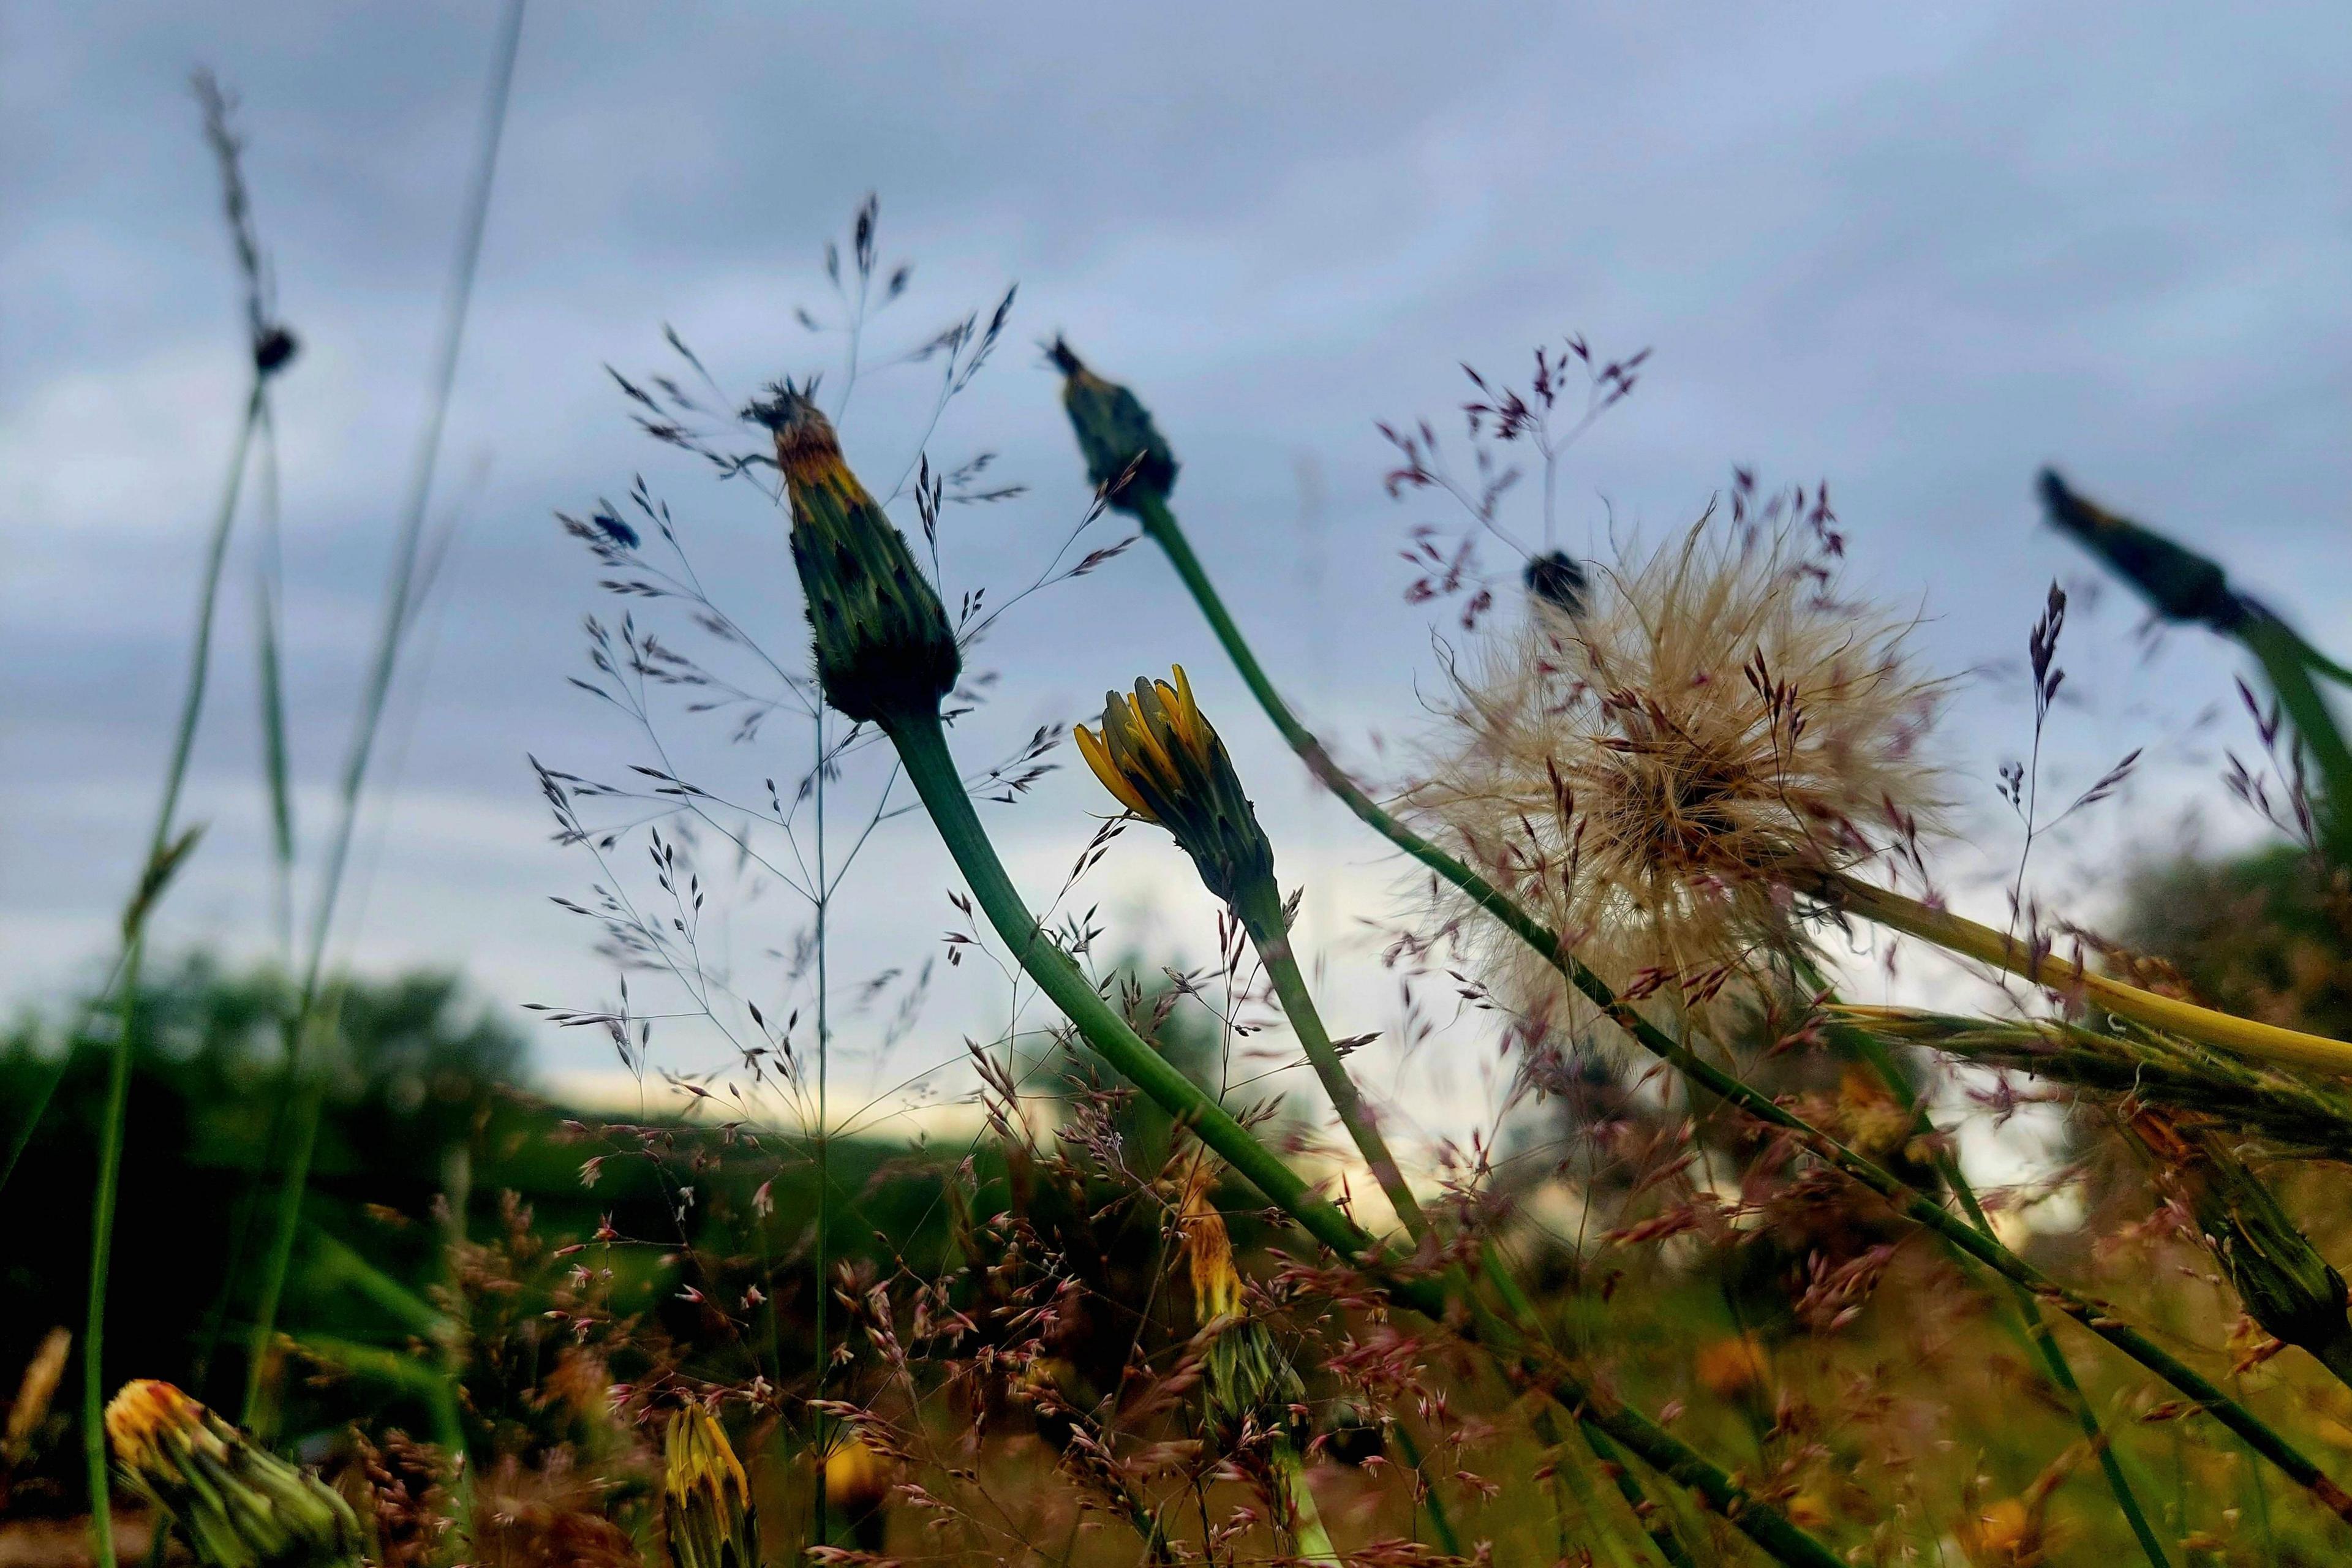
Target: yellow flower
(239, 1505)
(1158, 755)
(857, 1478)
(1729, 1368)
(706, 1509)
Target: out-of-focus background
(1914, 254)
(1909, 254)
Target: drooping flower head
(707, 1514)
(1158, 755)
(1651, 763)
(239, 1505)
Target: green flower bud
(2281, 1278)
(1126, 456)
(239, 1505)
(707, 1514)
(883, 644)
(1158, 755)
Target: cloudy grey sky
(1918, 251)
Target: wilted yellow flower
(1158, 755)
(1244, 1376)
(707, 1514)
(1208, 1250)
(239, 1505)
(1646, 766)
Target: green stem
(1307, 1530)
(1440, 1520)
(1654, 1522)
(102, 1248)
(1260, 911)
(2096, 1316)
(309, 1096)
(922, 748)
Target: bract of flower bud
(239, 1505)
(884, 646)
(708, 1518)
(1126, 456)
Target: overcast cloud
(1918, 251)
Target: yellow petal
(1145, 738)
(1097, 757)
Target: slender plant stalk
(1441, 1522)
(823, 1133)
(1956, 933)
(398, 617)
(2096, 1316)
(157, 865)
(922, 748)
(1262, 915)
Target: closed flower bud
(884, 646)
(1126, 456)
(2281, 1279)
(707, 1514)
(1158, 754)
(239, 1505)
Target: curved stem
(1261, 913)
(1956, 933)
(922, 747)
(2094, 1315)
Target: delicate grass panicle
(1646, 774)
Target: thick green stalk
(1260, 911)
(2096, 1316)
(922, 749)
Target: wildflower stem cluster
(1101, 437)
